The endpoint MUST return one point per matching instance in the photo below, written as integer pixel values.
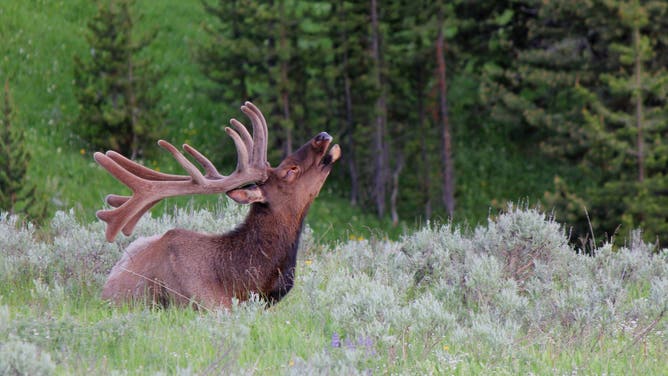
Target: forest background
(443, 109)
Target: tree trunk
(273, 70)
(380, 152)
(288, 125)
(354, 178)
(395, 189)
(448, 166)
(422, 125)
(640, 142)
(349, 134)
(132, 106)
(284, 66)
(236, 35)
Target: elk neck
(277, 231)
(268, 241)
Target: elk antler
(149, 186)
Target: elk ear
(247, 195)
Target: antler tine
(192, 170)
(124, 217)
(242, 153)
(116, 200)
(138, 170)
(123, 171)
(132, 223)
(115, 169)
(259, 156)
(243, 132)
(211, 171)
(149, 186)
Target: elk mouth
(322, 141)
(332, 156)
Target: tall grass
(509, 297)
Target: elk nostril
(324, 136)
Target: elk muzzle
(322, 142)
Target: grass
(437, 301)
(85, 335)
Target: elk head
(259, 256)
(296, 181)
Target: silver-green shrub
(520, 238)
(514, 278)
(23, 358)
(75, 253)
(17, 247)
(435, 299)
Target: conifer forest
(444, 109)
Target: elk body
(259, 256)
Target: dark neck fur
(266, 243)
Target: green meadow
(441, 300)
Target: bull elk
(211, 270)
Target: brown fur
(259, 256)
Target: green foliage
(230, 57)
(251, 53)
(590, 84)
(17, 193)
(440, 300)
(625, 120)
(114, 86)
(525, 79)
(41, 37)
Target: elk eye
(291, 173)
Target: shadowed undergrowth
(505, 298)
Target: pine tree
(414, 84)
(252, 54)
(446, 128)
(351, 86)
(532, 90)
(588, 85)
(114, 86)
(230, 56)
(380, 145)
(17, 194)
(625, 121)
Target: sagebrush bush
(17, 246)
(78, 253)
(23, 358)
(519, 239)
(439, 300)
(515, 278)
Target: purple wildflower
(367, 342)
(336, 340)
